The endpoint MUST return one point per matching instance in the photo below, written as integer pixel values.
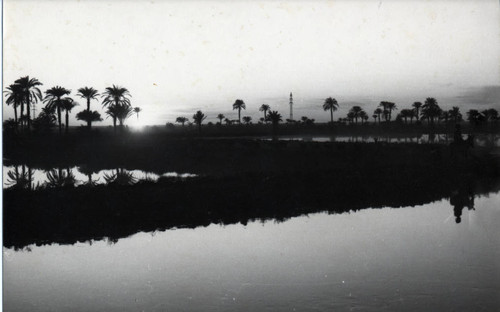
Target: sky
(179, 57)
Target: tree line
(24, 93)
(429, 112)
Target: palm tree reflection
(19, 179)
(85, 170)
(60, 178)
(120, 177)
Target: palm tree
(15, 97)
(220, 117)
(275, 119)
(53, 98)
(455, 114)
(137, 110)
(356, 110)
(88, 94)
(89, 117)
(264, 108)
(332, 105)
(31, 93)
(198, 119)
(431, 109)
(406, 113)
(247, 120)
(445, 115)
(46, 120)
(475, 117)
(363, 115)
(378, 112)
(417, 106)
(239, 104)
(123, 112)
(67, 104)
(118, 97)
(490, 114)
(181, 120)
(388, 108)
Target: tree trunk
(22, 114)
(239, 115)
(28, 110)
(331, 115)
(15, 113)
(67, 121)
(59, 119)
(89, 121)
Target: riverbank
(240, 181)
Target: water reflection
(488, 140)
(25, 177)
(372, 260)
(461, 198)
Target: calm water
(414, 258)
(481, 140)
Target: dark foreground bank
(271, 181)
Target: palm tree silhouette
(53, 97)
(88, 117)
(198, 119)
(31, 93)
(490, 114)
(137, 110)
(88, 94)
(15, 97)
(67, 104)
(332, 105)
(118, 103)
(264, 108)
(239, 104)
(431, 109)
(363, 115)
(247, 120)
(388, 108)
(378, 112)
(455, 114)
(475, 117)
(356, 111)
(119, 112)
(220, 117)
(417, 106)
(275, 119)
(181, 120)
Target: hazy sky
(177, 57)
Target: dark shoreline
(241, 180)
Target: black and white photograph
(250, 155)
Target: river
(391, 259)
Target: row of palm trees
(429, 112)
(25, 92)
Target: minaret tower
(291, 106)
